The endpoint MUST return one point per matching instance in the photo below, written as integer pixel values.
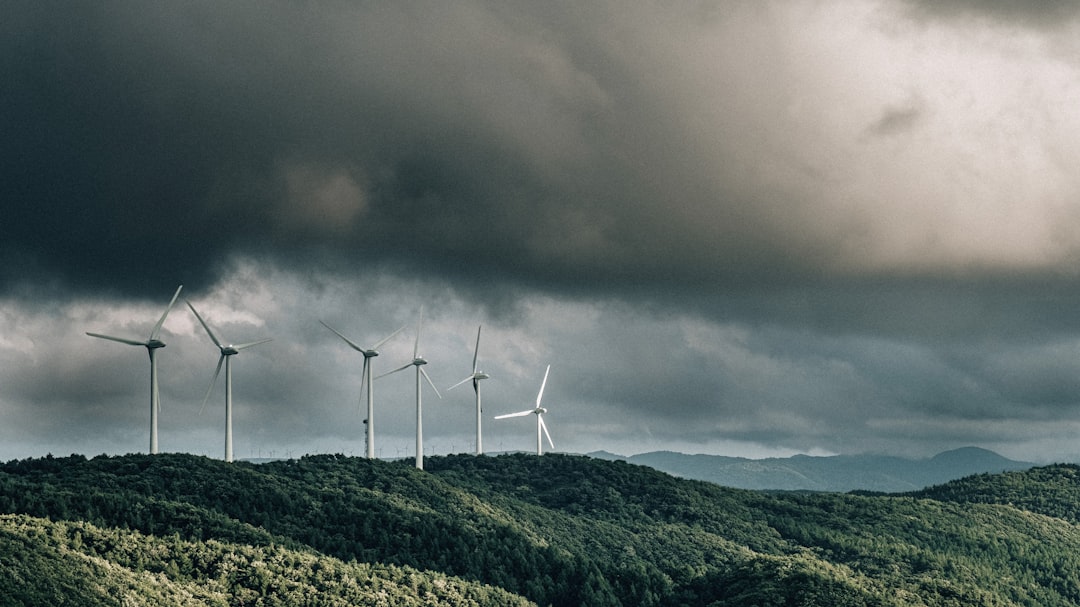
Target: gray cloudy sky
(735, 227)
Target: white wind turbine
(539, 412)
(227, 352)
(418, 362)
(476, 377)
(365, 375)
(151, 345)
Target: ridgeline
(518, 530)
(839, 473)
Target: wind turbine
(418, 362)
(368, 353)
(539, 412)
(476, 377)
(151, 345)
(227, 352)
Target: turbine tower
(476, 377)
(539, 412)
(418, 362)
(152, 344)
(365, 375)
(227, 352)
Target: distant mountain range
(832, 473)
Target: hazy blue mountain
(831, 473)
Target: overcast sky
(734, 227)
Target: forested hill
(514, 529)
(1053, 491)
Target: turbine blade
(157, 397)
(161, 321)
(130, 342)
(210, 388)
(387, 338)
(430, 383)
(518, 414)
(543, 427)
(542, 384)
(394, 371)
(459, 383)
(363, 384)
(347, 340)
(476, 352)
(202, 322)
(253, 343)
(419, 326)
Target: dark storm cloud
(153, 142)
(807, 226)
(472, 139)
(147, 142)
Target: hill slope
(557, 530)
(1051, 490)
(90, 566)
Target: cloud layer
(769, 227)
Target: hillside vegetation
(558, 530)
(1053, 491)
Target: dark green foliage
(1051, 490)
(55, 563)
(559, 530)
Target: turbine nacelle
(154, 344)
(474, 378)
(234, 349)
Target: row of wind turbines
(228, 350)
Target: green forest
(518, 530)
